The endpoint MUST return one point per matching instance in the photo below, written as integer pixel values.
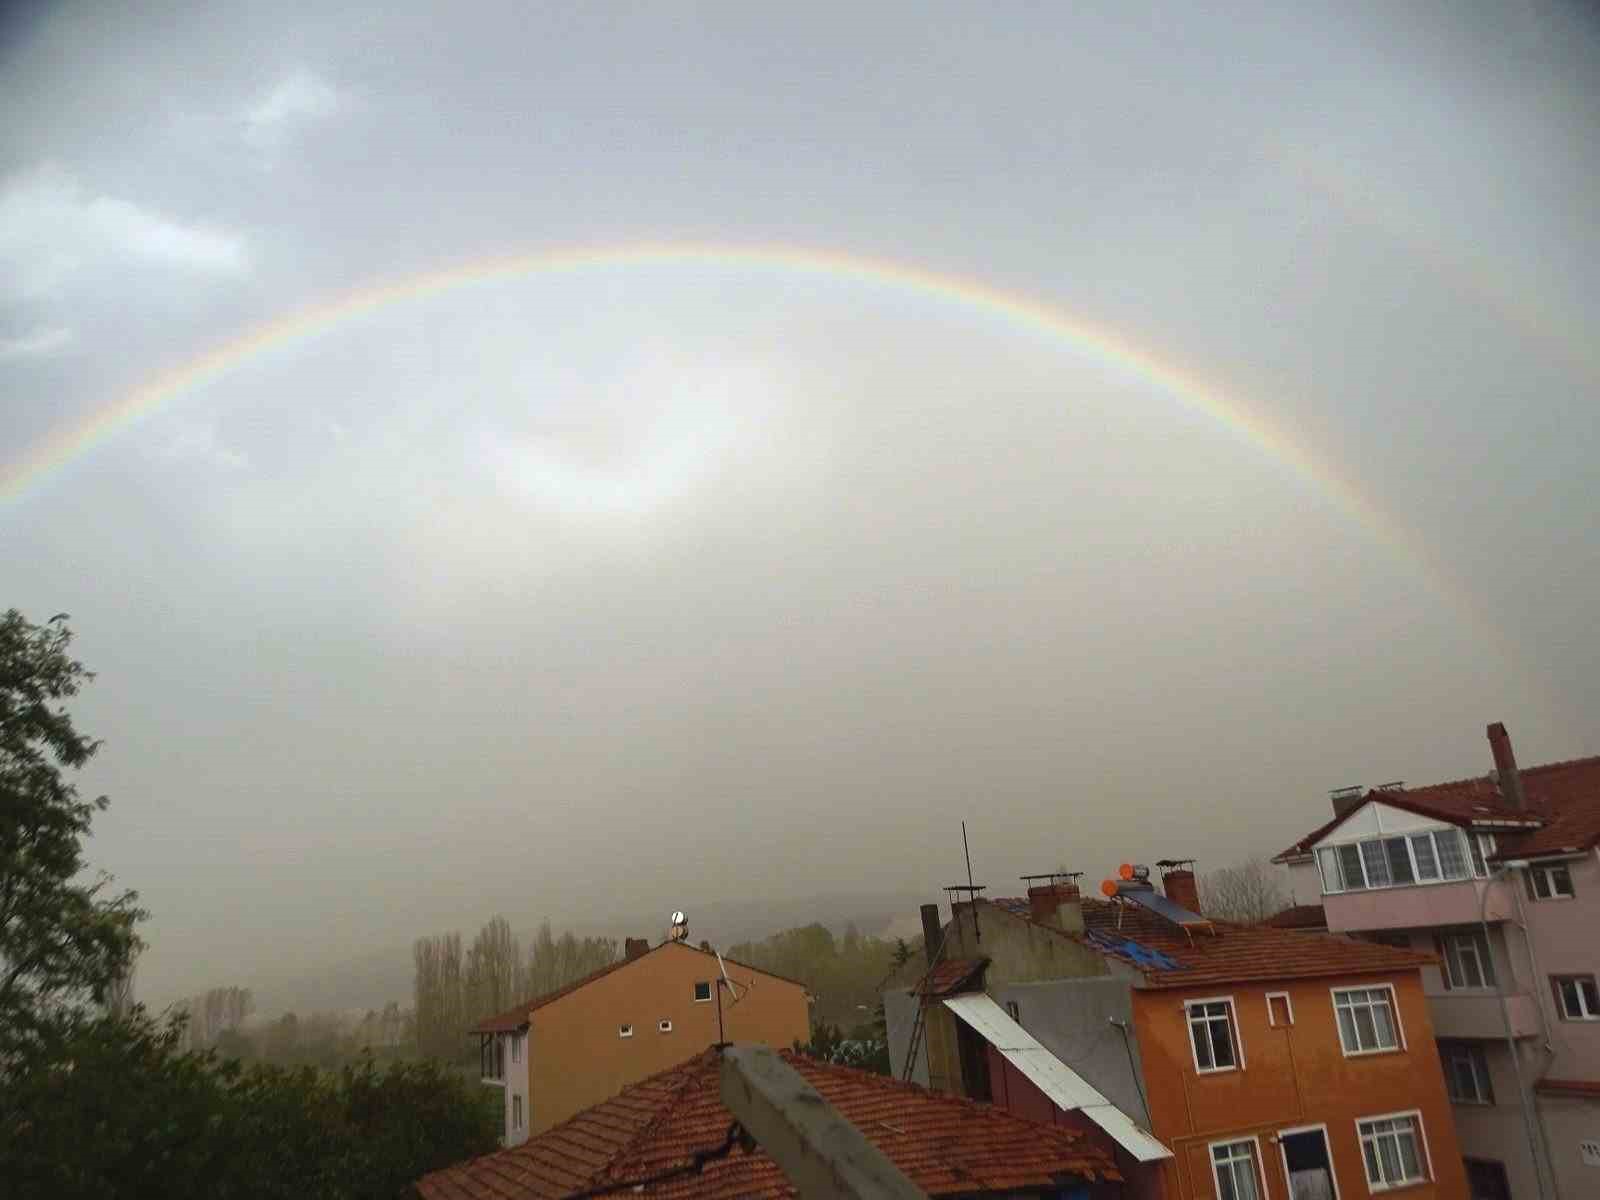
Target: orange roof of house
(1167, 958)
(947, 1145)
(951, 976)
(516, 1017)
(1550, 790)
(1299, 916)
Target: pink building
(1500, 876)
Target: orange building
(562, 1052)
(1213, 1060)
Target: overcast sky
(644, 583)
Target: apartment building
(1211, 1060)
(557, 1054)
(1499, 876)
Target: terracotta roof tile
(947, 1145)
(952, 976)
(1550, 789)
(1236, 953)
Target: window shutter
(1444, 962)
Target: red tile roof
(1550, 789)
(1569, 1087)
(1234, 954)
(1299, 916)
(947, 1145)
(516, 1017)
(1570, 793)
(952, 976)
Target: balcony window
(1467, 963)
(1466, 1072)
(492, 1056)
(1550, 883)
(1442, 855)
(1367, 1022)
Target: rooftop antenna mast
(970, 889)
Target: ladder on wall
(916, 1044)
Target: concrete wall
(578, 1059)
(517, 1085)
(900, 1010)
(1567, 1122)
(1305, 883)
(1072, 1019)
(1497, 1132)
(1018, 950)
(1293, 1076)
(1417, 906)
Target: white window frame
(664, 1025)
(516, 1047)
(624, 1031)
(1546, 871)
(1288, 1004)
(1394, 1011)
(699, 999)
(1481, 950)
(1233, 1031)
(1483, 1088)
(1327, 1145)
(517, 1118)
(1415, 1114)
(1254, 1142)
(1583, 1005)
(1483, 842)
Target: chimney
(1057, 904)
(1505, 767)
(1346, 799)
(1182, 889)
(931, 931)
(632, 948)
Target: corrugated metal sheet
(1052, 1076)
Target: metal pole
(972, 896)
(1528, 1120)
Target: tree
(62, 940)
(1248, 892)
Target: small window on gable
(624, 1030)
(664, 1025)
(702, 991)
(1280, 1012)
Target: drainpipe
(1529, 1120)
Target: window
(1466, 1072)
(624, 1030)
(702, 991)
(516, 1112)
(1433, 857)
(492, 1056)
(1482, 847)
(664, 1025)
(1392, 1148)
(1366, 1020)
(1576, 997)
(1236, 1170)
(1279, 1011)
(1467, 963)
(1550, 883)
(516, 1048)
(1211, 1033)
(1013, 1011)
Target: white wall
(517, 1085)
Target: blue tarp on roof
(1133, 951)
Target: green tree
(62, 939)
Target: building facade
(1500, 877)
(560, 1053)
(1212, 1060)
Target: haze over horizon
(1112, 428)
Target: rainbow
(64, 446)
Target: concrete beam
(821, 1153)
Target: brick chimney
(1505, 767)
(1057, 904)
(1182, 889)
(632, 948)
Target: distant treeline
(453, 989)
(844, 974)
